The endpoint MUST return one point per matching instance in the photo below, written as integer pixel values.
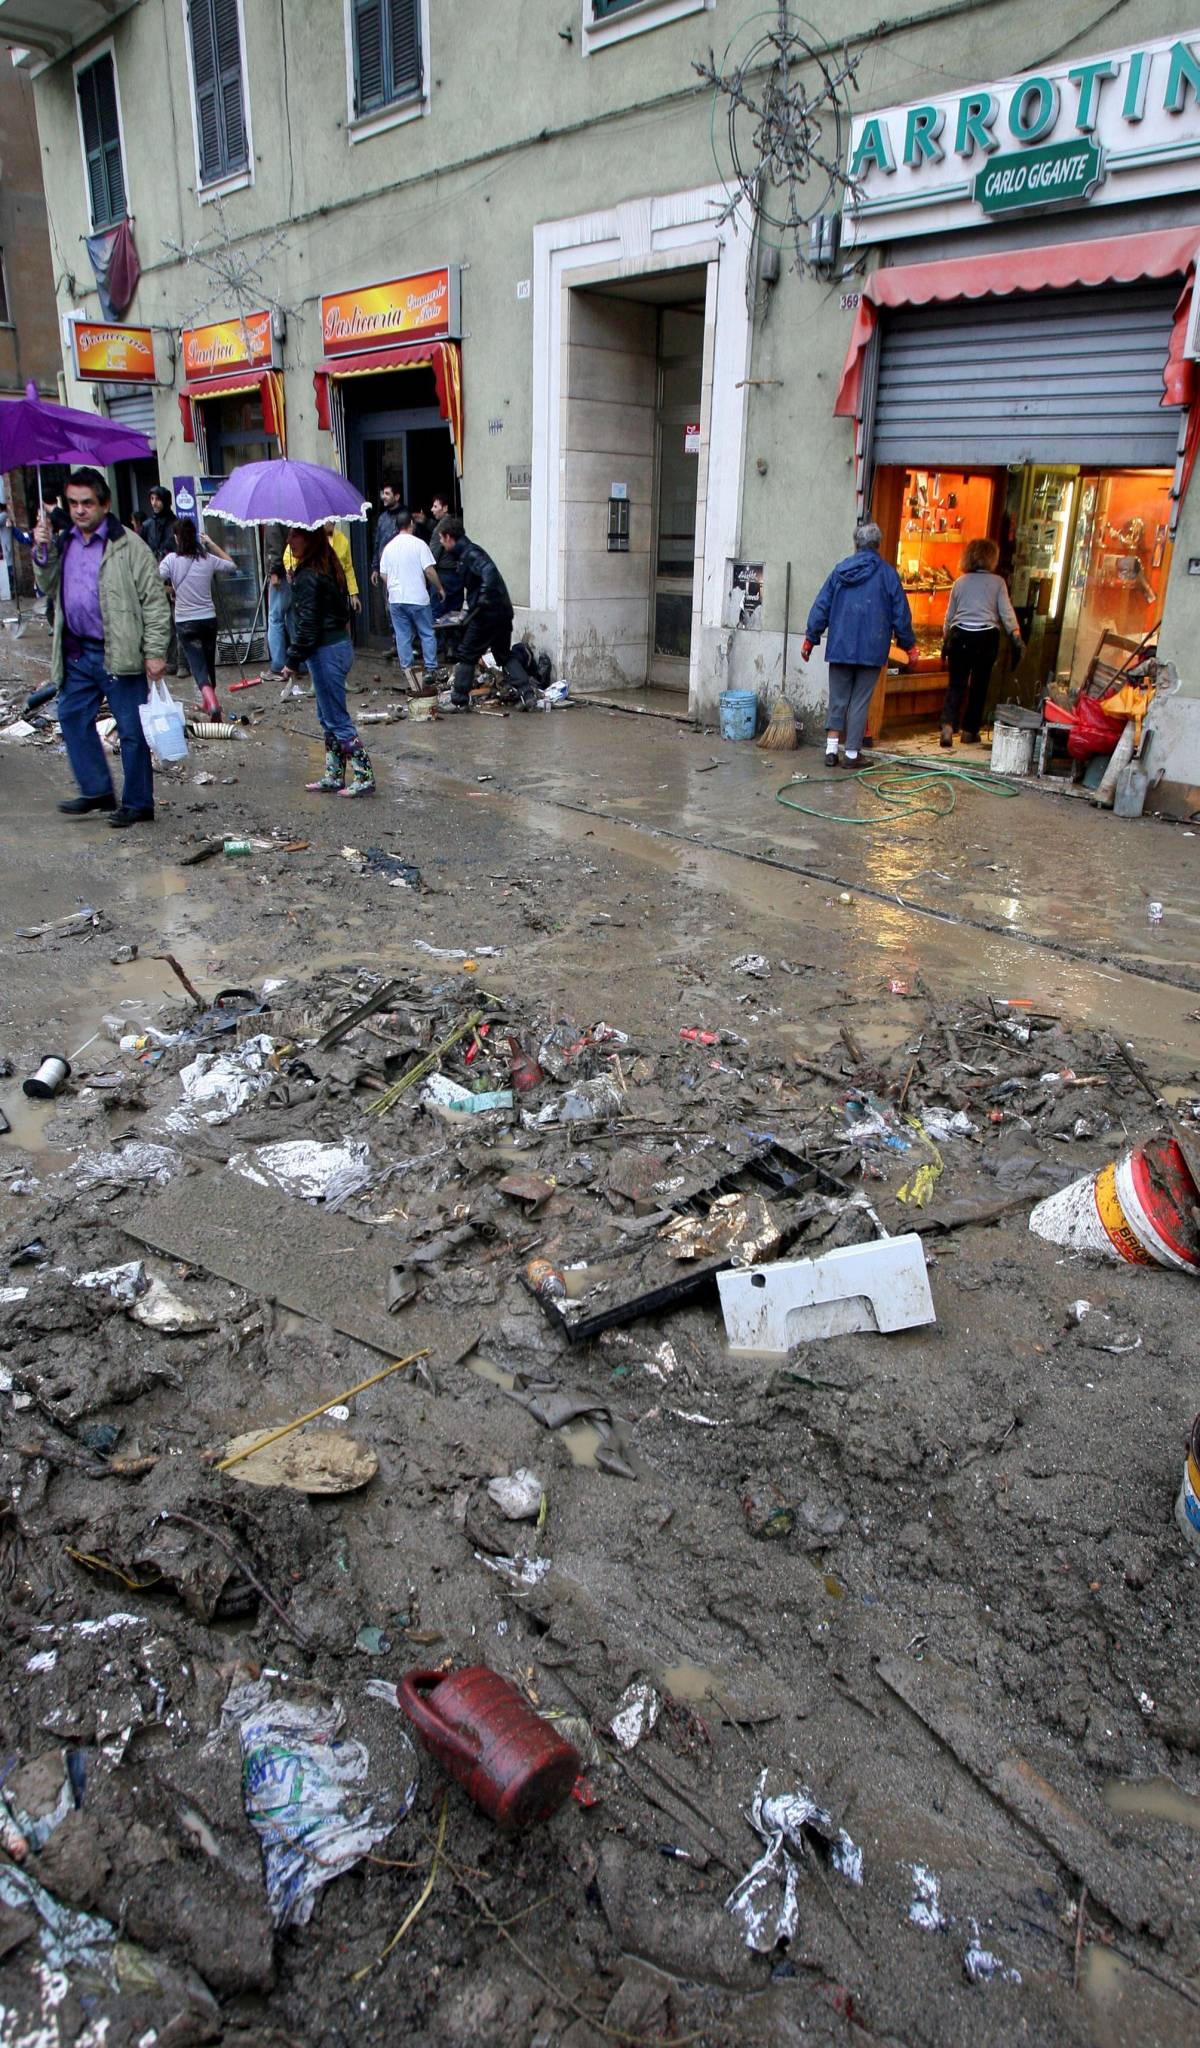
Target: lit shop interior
(1085, 554)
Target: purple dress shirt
(82, 557)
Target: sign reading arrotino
(421, 308)
(1092, 131)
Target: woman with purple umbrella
(304, 496)
(319, 635)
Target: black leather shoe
(122, 817)
(76, 806)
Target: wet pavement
(994, 1494)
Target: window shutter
(234, 152)
(102, 143)
(204, 79)
(405, 48)
(370, 90)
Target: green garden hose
(899, 782)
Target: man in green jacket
(112, 627)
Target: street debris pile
(664, 1574)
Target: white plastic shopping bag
(162, 723)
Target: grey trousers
(850, 691)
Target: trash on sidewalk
(1140, 1210)
(754, 964)
(513, 1764)
(982, 1967)
(637, 1712)
(440, 1092)
(327, 1462)
(218, 1085)
(122, 1283)
(304, 1787)
(45, 1084)
(518, 1495)
(85, 920)
(882, 1286)
(766, 1513)
(304, 1167)
(766, 1901)
(925, 1906)
(801, 1195)
(1187, 1507)
(738, 1226)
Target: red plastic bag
(1093, 731)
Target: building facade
(30, 345)
(493, 250)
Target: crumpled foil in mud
(766, 1902)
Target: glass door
(677, 475)
(1119, 565)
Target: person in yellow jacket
(341, 548)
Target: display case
(938, 512)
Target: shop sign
(1054, 176)
(691, 438)
(1094, 131)
(420, 308)
(245, 344)
(112, 355)
(518, 480)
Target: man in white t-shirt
(407, 568)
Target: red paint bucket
(484, 1733)
(1160, 1200)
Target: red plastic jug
(486, 1736)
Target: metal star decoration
(235, 270)
(786, 125)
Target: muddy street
(874, 1648)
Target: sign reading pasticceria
(1094, 131)
(420, 308)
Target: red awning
(1119, 259)
(444, 358)
(268, 383)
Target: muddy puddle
(582, 1439)
(1153, 1799)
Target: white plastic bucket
(1088, 1217)
(1012, 750)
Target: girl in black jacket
(318, 634)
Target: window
(97, 87)
(614, 21)
(222, 142)
(387, 53)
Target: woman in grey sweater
(979, 606)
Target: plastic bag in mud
(304, 1787)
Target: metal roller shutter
(1061, 377)
(134, 409)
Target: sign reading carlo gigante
(420, 308)
(1090, 131)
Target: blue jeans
(279, 604)
(85, 685)
(408, 619)
(329, 666)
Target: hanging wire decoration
(786, 128)
(235, 271)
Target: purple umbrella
(283, 493)
(33, 431)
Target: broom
(780, 735)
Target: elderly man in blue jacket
(862, 607)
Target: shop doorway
(233, 431)
(394, 430)
(634, 447)
(677, 471)
(1085, 553)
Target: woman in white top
(189, 570)
(979, 606)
